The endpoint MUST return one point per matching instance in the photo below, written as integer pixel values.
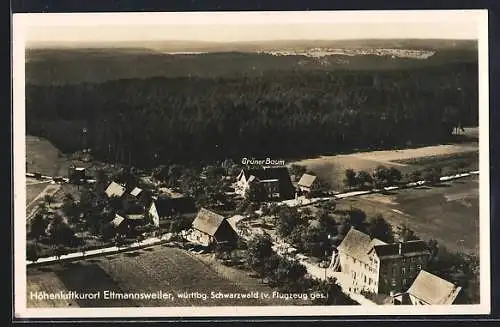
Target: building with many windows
(377, 267)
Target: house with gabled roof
(275, 180)
(377, 267)
(115, 190)
(136, 192)
(210, 228)
(309, 183)
(165, 207)
(429, 289)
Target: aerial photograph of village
(170, 168)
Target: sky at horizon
(240, 28)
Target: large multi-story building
(377, 267)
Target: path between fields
(50, 189)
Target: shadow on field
(69, 265)
(45, 269)
(148, 249)
(388, 192)
(94, 260)
(442, 185)
(132, 254)
(90, 278)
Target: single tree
(49, 199)
(379, 228)
(315, 241)
(259, 249)
(432, 175)
(59, 232)
(415, 176)
(38, 225)
(288, 274)
(256, 193)
(357, 218)
(395, 175)
(328, 292)
(350, 178)
(288, 219)
(406, 234)
(364, 179)
(297, 171)
(381, 177)
(32, 252)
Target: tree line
(289, 114)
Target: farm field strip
(152, 270)
(449, 213)
(332, 168)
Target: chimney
(400, 248)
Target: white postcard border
(20, 21)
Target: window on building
(404, 281)
(394, 270)
(393, 282)
(419, 267)
(369, 281)
(403, 270)
(365, 278)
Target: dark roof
(208, 222)
(407, 248)
(286, 188)
(166, 206)
(433, 290)
(307, 180)
(357, 244)
(133, 208)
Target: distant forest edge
(283, 114)
(73, 66)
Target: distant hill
(96, 63)
(253, 46)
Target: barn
(210, 228)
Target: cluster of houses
(396, 269)
(141, 207)
(371, 265)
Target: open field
(447, 213)
(332, 168)
(34, 189)
(42, 156)
(149, 270)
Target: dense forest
(282, 114)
